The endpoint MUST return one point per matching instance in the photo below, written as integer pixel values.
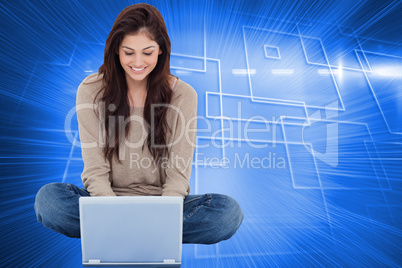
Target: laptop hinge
(92, 261)
(170, 261)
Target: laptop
(131, 231)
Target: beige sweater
(137, 174)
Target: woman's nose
(137, 61)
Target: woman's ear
(160, 52)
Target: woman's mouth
(137, 70)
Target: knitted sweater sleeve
(182, 146)
(95, 175)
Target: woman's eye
(129, 54)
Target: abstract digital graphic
(299, 119)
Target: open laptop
(131, 231)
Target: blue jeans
(207, 219)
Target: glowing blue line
(69, 157)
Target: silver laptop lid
(131, 229)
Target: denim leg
(210, 218)
(57, 207)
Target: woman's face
(138, 56)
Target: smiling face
(138, 56)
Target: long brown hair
(132, 20)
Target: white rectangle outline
(294, 35)
(337, 188)
(371, 87)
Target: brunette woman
(137, 126)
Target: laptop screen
(131, 229)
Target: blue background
(325, 76)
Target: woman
(137, 125)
